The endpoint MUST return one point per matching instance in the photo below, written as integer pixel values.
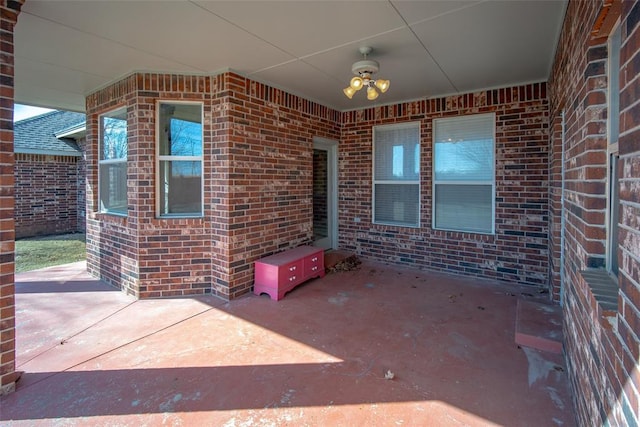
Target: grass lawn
(39, 252)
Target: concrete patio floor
(94, 356)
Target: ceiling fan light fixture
(356, 83)
(364, 71)
(372, 93)
(383, 85)
(349, 91)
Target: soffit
(67, 49)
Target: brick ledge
(604, 289)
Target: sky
(21, 112)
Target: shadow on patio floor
(318, 357)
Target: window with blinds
(464, 173)
(396, 174)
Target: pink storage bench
(277, 274)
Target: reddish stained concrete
(539, 325)
(93, 356)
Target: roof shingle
(38, 134)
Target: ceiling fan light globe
(383, 85)
(371, 93)
(356, 83)
(349, 91)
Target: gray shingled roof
(37, 134)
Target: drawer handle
(292, 268)
(314, 268)
(314, 259)
(292, 278)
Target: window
(613, 129)
(180, 160)
(396, 174)
(464, 173)
(112, 162)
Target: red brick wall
(111, 240)
(145, 256)
(602, 348)
(81, 187)
(270, 176)
(47, 195)
(9, 11)
(518, 252)
(628, 346)
(257, 189)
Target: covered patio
(95, 356)
(507, 151)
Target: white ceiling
(64, 50)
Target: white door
(325, 196)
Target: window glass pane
(180, 175)
(470, 160)
(464, 173)
(397, 158)
(113, 187)
(397, 161)
(464, 128)
(397, 204)
(181, 130)
(114, 137)
(464, 207)
(186, 138)
(112, 162)
(464, 148)
(180, 187)
(396, 153)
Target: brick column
(9, 10)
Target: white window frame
(395, 182)
(105, 162)
(613, 131)
(491, 182)
(164, 158)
